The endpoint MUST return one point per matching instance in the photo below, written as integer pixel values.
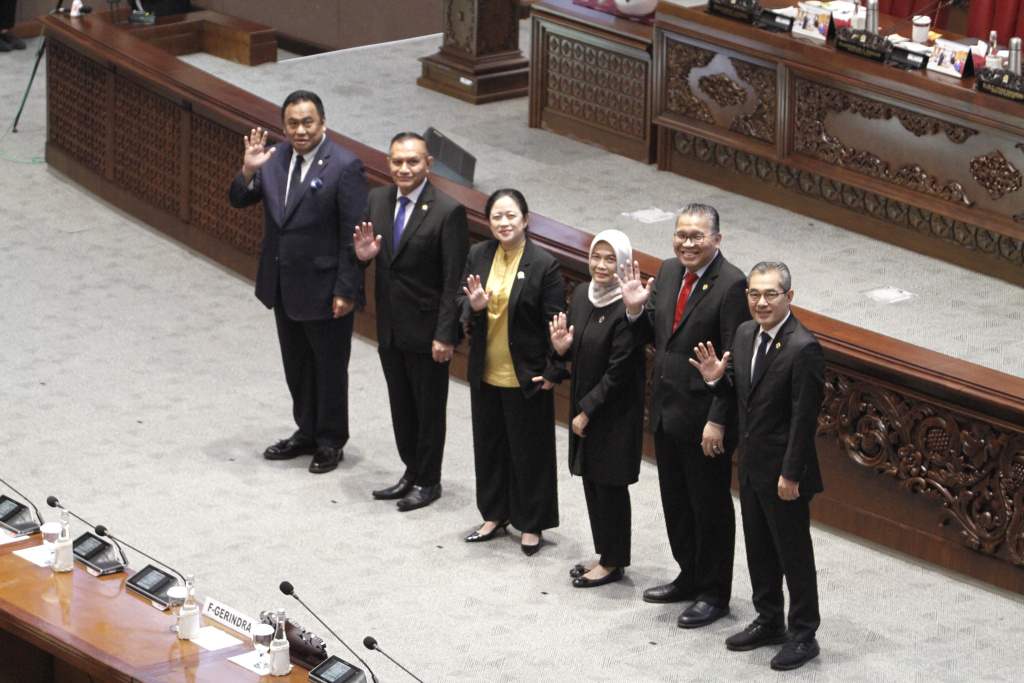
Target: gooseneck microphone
(102, 531)
(371, 644)
(288, 589)
(54, 503)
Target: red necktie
(684, 294)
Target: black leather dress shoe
(795, 654)
(394, 492)
(419, 497)
(477, 537)
(756, 635)
(325, 459)
(668, 593)
(584, 582)
(700, 614)
(289, 448)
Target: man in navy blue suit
(313, 192)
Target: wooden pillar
(480, 60)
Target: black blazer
(681, 402)
(535, 299)
(415, 285)
(779, 408)
(306, 249)
(608, 374)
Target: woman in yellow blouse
(513, 288)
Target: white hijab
(602, 295)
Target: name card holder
(746, 11)
(814, 23)
(774, 22)
(97, 555)
(952, 59)
(860, 43)
(1001, 83)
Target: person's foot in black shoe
(12, 41)
(530, 548)
(699, 614)
(481, 536)
(756, 635)
(581, 569)
(395, 492)
(289, 448)
(795, 654)
(325, 459)
(5, 46)
(668, 592)
(419, 497)
(606, 578)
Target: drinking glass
(175, 599)
(261, 635)
(50, 531)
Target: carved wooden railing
(920, 452)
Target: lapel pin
(601, 319)
(705, 287)
(320, 162)
(778, 345)
(520, 275)
(423, 206)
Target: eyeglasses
(770, 296)
(695, 240)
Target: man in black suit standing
(776, 370)
(420, 244)
(313, 192)
(695, 297)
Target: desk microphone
(26, 530)
(54, 503)
(371, 644)
(102, 531)
(288, 589)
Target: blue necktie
(762, 351)
(400, 220)
(296, 180)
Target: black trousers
(610, 521)
(8, 13)
(777, 535)
(514, 450)
(315, 355)
(699, 516)
(418, 393)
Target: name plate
(228, 616)
(742, 10)
(1001, 83)
(863, 44)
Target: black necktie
(293, 184)
(762, 350)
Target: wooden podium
(480, 60)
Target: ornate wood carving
(680, 59)
(596, 86)
(469, 26)
(974, 467)
(209, 174)
(685, 61)
(147, 146)
(77, 105)
(812, 137)
(900, 214)
(994, 173)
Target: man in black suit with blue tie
(419, 238)
(776, 372)
(313, 192)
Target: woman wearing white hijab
(606, 405)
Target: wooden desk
(590, 78)
(93, 627)
(918, 158)
(220, 35)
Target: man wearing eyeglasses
(776, 370)
(695, 297)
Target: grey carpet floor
(139, 383)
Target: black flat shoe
(578, 571)
(477, 537)
(530, 550)
(584, 582)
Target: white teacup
(922, 25)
